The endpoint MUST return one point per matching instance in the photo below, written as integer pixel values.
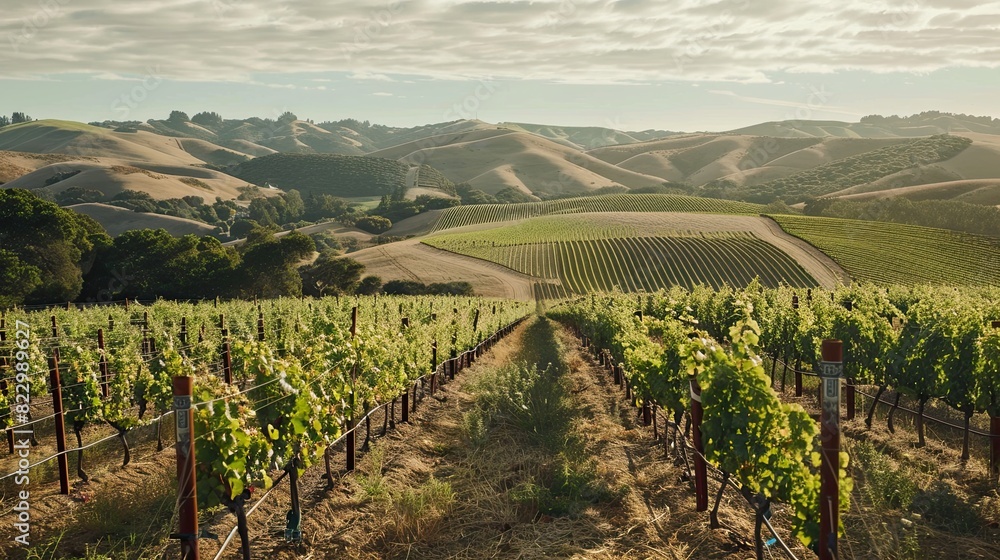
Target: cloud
(370, 76)
(570, 41)
(382, 94)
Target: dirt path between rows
(633, 502)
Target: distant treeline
(943, 214)
(49, 254)
(928, 115)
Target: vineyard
(275, 385)
(489, 213)
(337, 175)
(593, 255)
(889, 253)
(935, 345)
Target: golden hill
(492, 160)
(119, 220)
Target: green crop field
(897, 253)
(489, 213)
(585, 256)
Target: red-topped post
(831, 373)
(187, 487)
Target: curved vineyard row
(642, 263)
(889, 253)
(489, 213)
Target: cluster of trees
(50, 254)
(411, 288)
(943, 214)
(221, 213)
(44, 250)
(15, 118)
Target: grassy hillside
(902, 254)
(344, 176)
(586, 137)
(492, 160)
(488, 213)
(876, 126)
(585, 255)
(858, 170)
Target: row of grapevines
(770, 447)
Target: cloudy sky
(630, 64)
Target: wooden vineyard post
(184, 331)
(798, 370)
(405, 400)
(434, 357)
(351, 436)
(55, 328)
(57, 410)
(831, 372)
(700, 467)
(187, 488)
(227, 358)
(103, 364)
(260, 327)
(995, 435)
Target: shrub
(373, 224)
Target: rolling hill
(585, 137)
(928, 123)
(119, 220)
(498, 159)
(338, 175)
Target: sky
(686, 65)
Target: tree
(18, 118)
(55, 241)
(295, 207)
(17, 279)
(331, 275)
(262, 211)
(428, 202)
(287, 117)
(4, 121)
(178, 117)
(373, 224)
(242, 228)
(269, 264)
(510, 195)
(78, 195)
(208, 119)
(369, 285)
